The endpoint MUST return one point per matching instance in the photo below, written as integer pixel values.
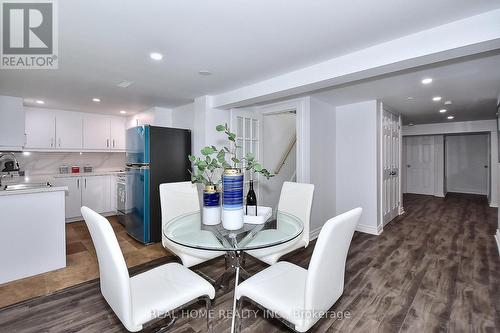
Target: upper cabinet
(117, 133)
(69, 130)
(11, 123)
(96, 132)
(73, 131)
(40, 129)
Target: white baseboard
(80, 218)
(497, 238)
(368, 229)
(313, 234)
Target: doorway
(279, 154)
(467, 163)
(437, 164)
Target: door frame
(301, 106)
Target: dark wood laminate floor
(435, 269)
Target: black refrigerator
(154, 155)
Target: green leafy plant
(208, 167)
(205, 167)
(249, 162)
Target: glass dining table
(188, 230)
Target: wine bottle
(251, 198)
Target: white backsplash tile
(37, 163)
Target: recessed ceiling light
(97, 100)
(427, 80)
(204, 72)
(450, 117)
(443, 110)
(436, 98)
(410, 98)
(447, 103)
(156, 56)
(410, 124)
(123, 112)
(39, 101)
(124, 84)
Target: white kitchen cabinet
(96, 193)
(96, 132)
(117, 128)
(11, 123)
(69, 130)
(40, 129)
(73, 195)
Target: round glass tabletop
(187, 230)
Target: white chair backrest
(177, 199)
(296, 199)
(113, 272)
(325, 276)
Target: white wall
(466, 156)
(183, 116)
(357, 162)
(155, 116)
(465, 127)
(322, 166)
(205, 119)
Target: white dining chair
(295, 199)
(177, 199)
(136, 299)
(299, 296)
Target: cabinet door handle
(85, 182)
(107, 143)
(78, 183)
(59, 142)
(113, 143)
(51, 142)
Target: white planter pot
(232, 219)
(210, 215)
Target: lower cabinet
(94, 192)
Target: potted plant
(232, 179)
(205, 172)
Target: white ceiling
(472, 85)
(241, 42)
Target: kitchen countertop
(86, 174)
(34, 190)
(48, 178)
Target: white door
(73, 195)
(69, 130)
(467, 163)
(40, 129)
(96, 132)
(420, 165)
(390, 166)
(246, 124)
(117, 133)
(96, 193)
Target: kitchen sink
(26, 186)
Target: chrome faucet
(2, 175)
(13, 158)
